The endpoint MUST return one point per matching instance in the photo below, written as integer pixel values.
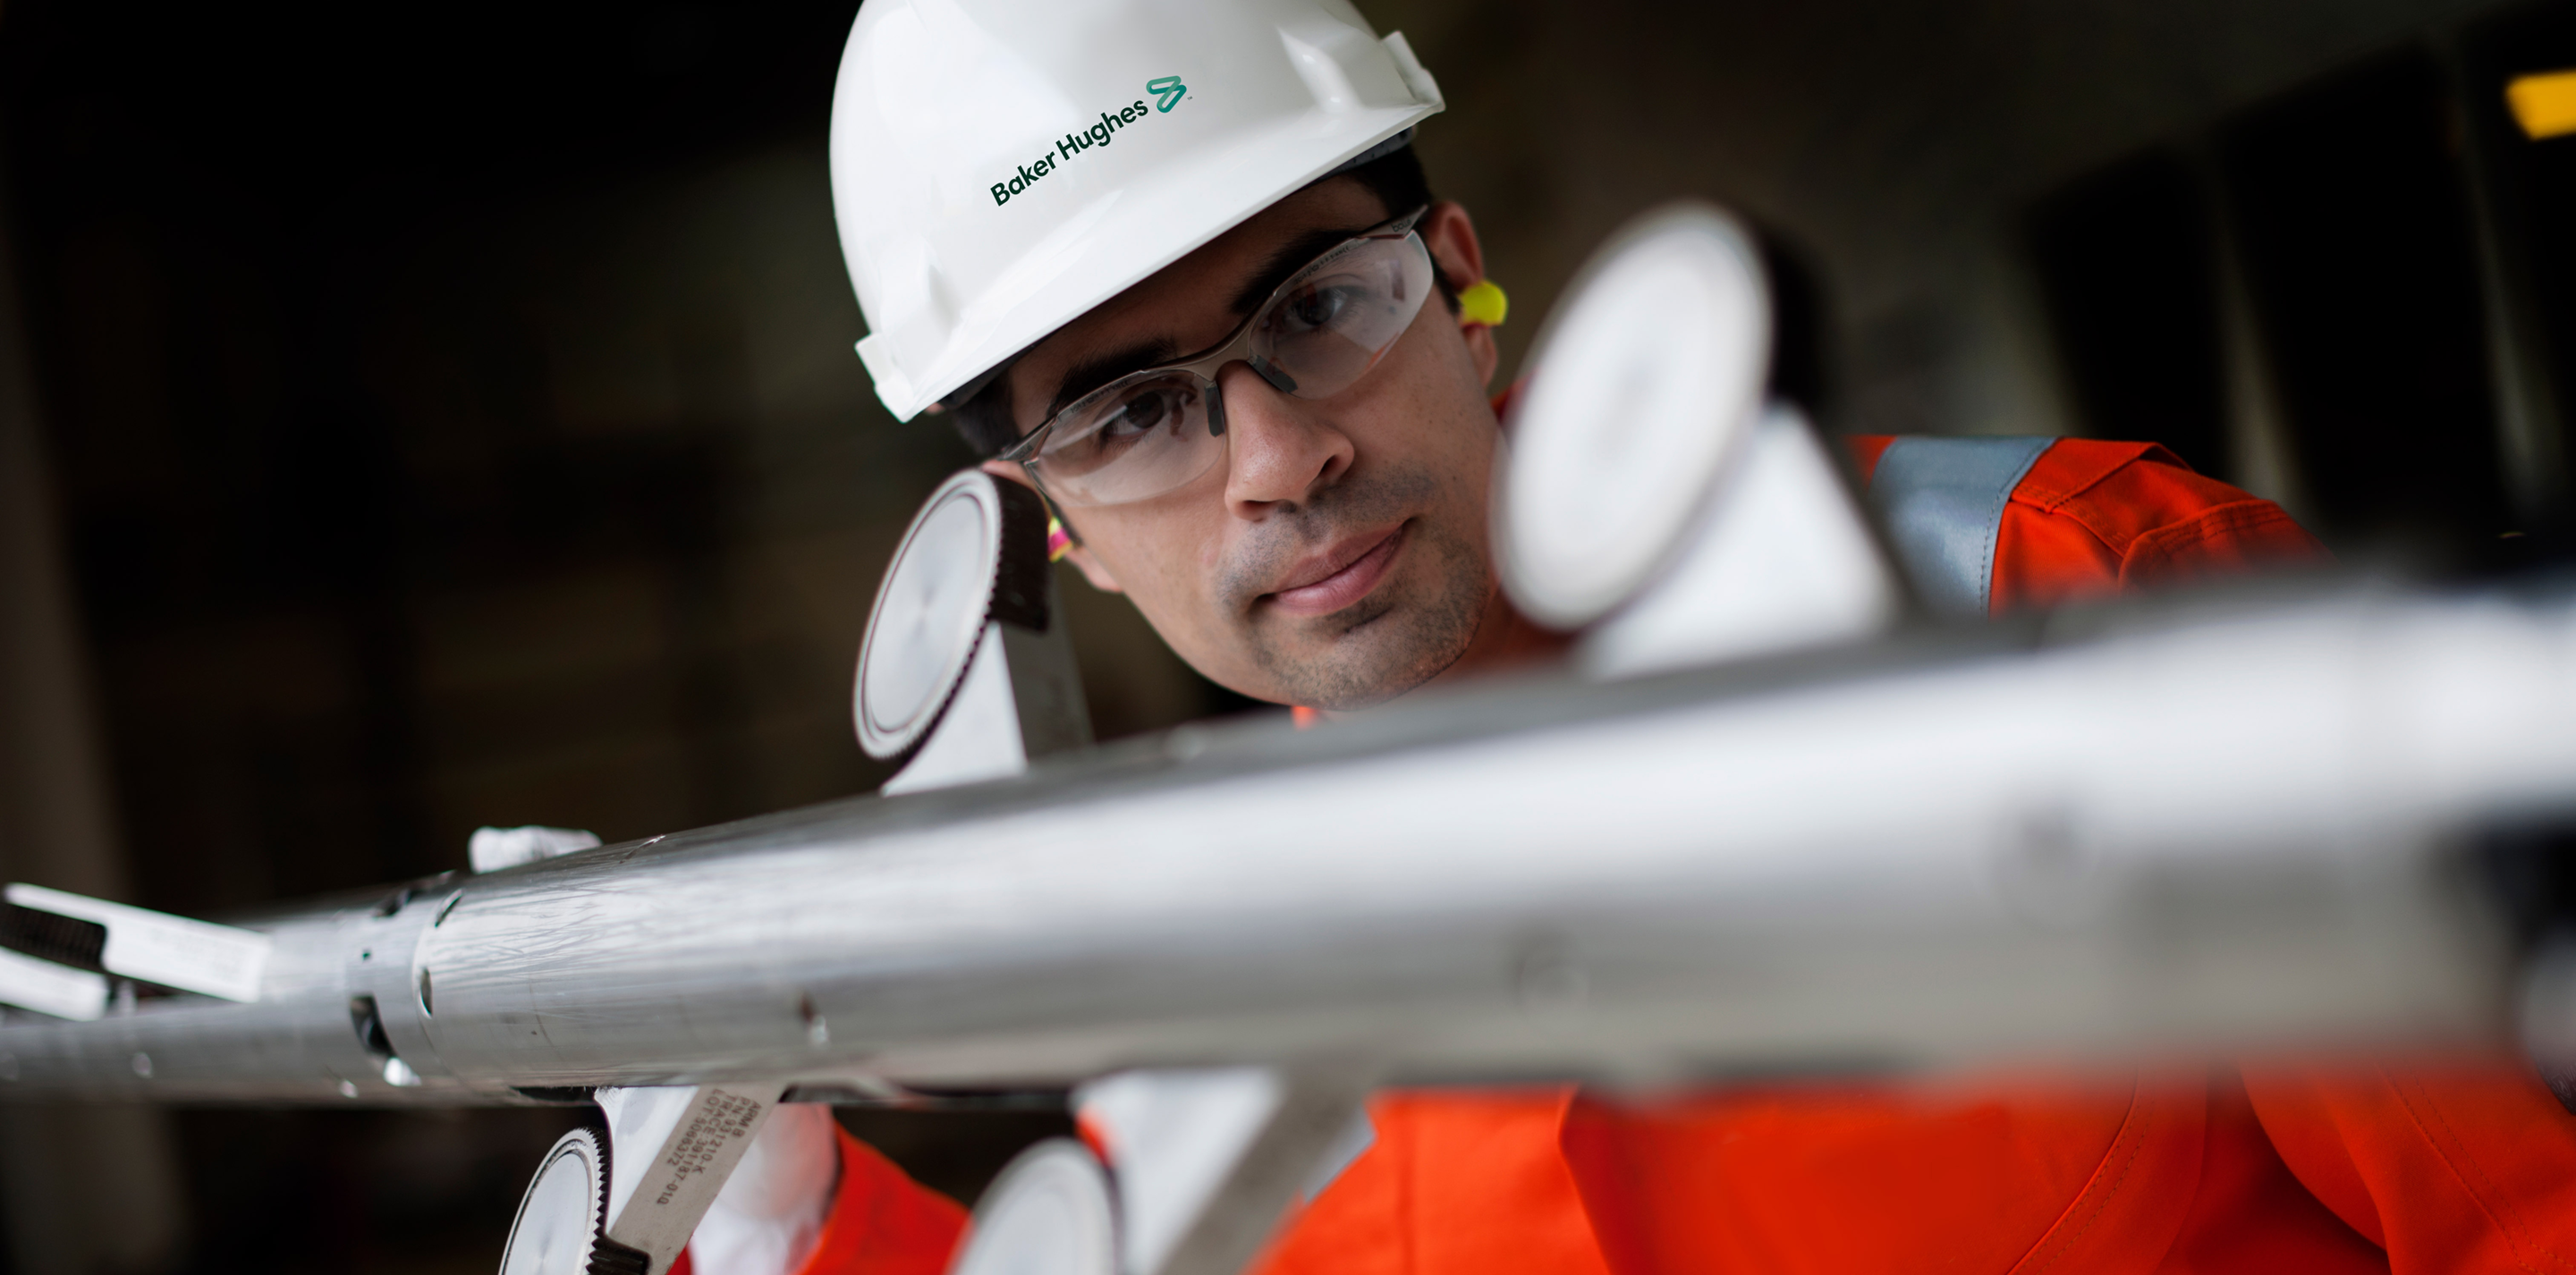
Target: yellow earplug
(2545, 105)
(1059, 541)
(1484, 303)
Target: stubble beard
(1383, 645)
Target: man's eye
(1141, 414)
(1123, 424)
(1311, 309)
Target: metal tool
(1667, 876)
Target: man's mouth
(1340, 575)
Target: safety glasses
(1149, 432)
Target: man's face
(1336, 555)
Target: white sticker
(53, 989)
(156, 947)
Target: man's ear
(1451, 236)
(1092, 569)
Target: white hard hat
(1000, 167)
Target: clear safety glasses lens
(1134, 441)
(1156, 430)
(1325, 328)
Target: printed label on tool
(156, 947)
(689, 1168)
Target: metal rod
(2210, 830)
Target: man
(1266, 423)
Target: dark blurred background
(423, 418)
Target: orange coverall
(2436, 1165)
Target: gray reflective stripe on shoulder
(1943, 499)
(1348, 1145)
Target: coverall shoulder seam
(2075, 466)
(2094, 1206)
(2417, 1114)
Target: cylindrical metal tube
(2205, 834)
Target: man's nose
(1282, 451)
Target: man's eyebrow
(1290, 257)
(1092, 373)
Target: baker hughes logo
(1167, 92)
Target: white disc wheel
(558, 1230)
(1645, 383)
(977, 550)
(1050, 1213)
